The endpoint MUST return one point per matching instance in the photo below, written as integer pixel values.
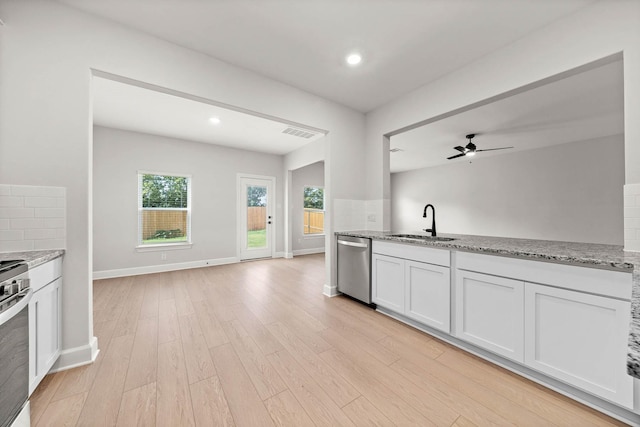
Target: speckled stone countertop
(33, 258)
(611, 257)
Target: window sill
(164, 247)
(312, 236)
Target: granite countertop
(33, 258)
(611, 257)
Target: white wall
(119, 155)
(594, 32)
(569, 192)
(311, 175)
(47, 51)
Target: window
(313, 210)
(164, 209)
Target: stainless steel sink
(422, 237)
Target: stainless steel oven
(15, 294)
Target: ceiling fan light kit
(470, 149)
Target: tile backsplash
(632, 217)
(32, 218)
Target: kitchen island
(561, 280)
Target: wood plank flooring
(257, 344)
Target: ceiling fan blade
(457, 155)
(492, 149)
(459, 148)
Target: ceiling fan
(470, 149)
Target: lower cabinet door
(388, 282)
(580, 339)
(428, 294)
(44, 323)
(490, 313)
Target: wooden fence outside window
(313, 221)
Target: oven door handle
(25, 296)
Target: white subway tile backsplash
(35, 191)
(11, 235)
(17, 246)
(44, 202)
(11, 202)
(632, 245)
(9, 213)
(25, 223)
(32, 217)
(632, 217)
(632, 212)
(49, 212)
(631, 189)
(48, 244)
(631, 223)
(39, 234)
(54, 222)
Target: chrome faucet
(433, 223)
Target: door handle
(356, 245)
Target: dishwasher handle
(354, 244)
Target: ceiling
(129, 107)
(583, 106)
(405, 43)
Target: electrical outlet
(163, 256)
(371, 217)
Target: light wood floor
(257, 344)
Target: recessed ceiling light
(215, 120)
(354, 59)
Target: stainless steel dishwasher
(354, 267)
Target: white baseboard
(309, 251)
(288, 255)
(278, 255)
(330, 291)
(135, 271)
(77, 356)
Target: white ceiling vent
(299, 132)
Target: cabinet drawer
(413, 252)
(609, 283)
(45, 273)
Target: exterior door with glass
(256, 217)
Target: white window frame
(141, 247)
(324, 212)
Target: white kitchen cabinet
(44, 320)
(490, 313)
(580, 339)
(387, 281)
(413, 281)
(428, 294)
